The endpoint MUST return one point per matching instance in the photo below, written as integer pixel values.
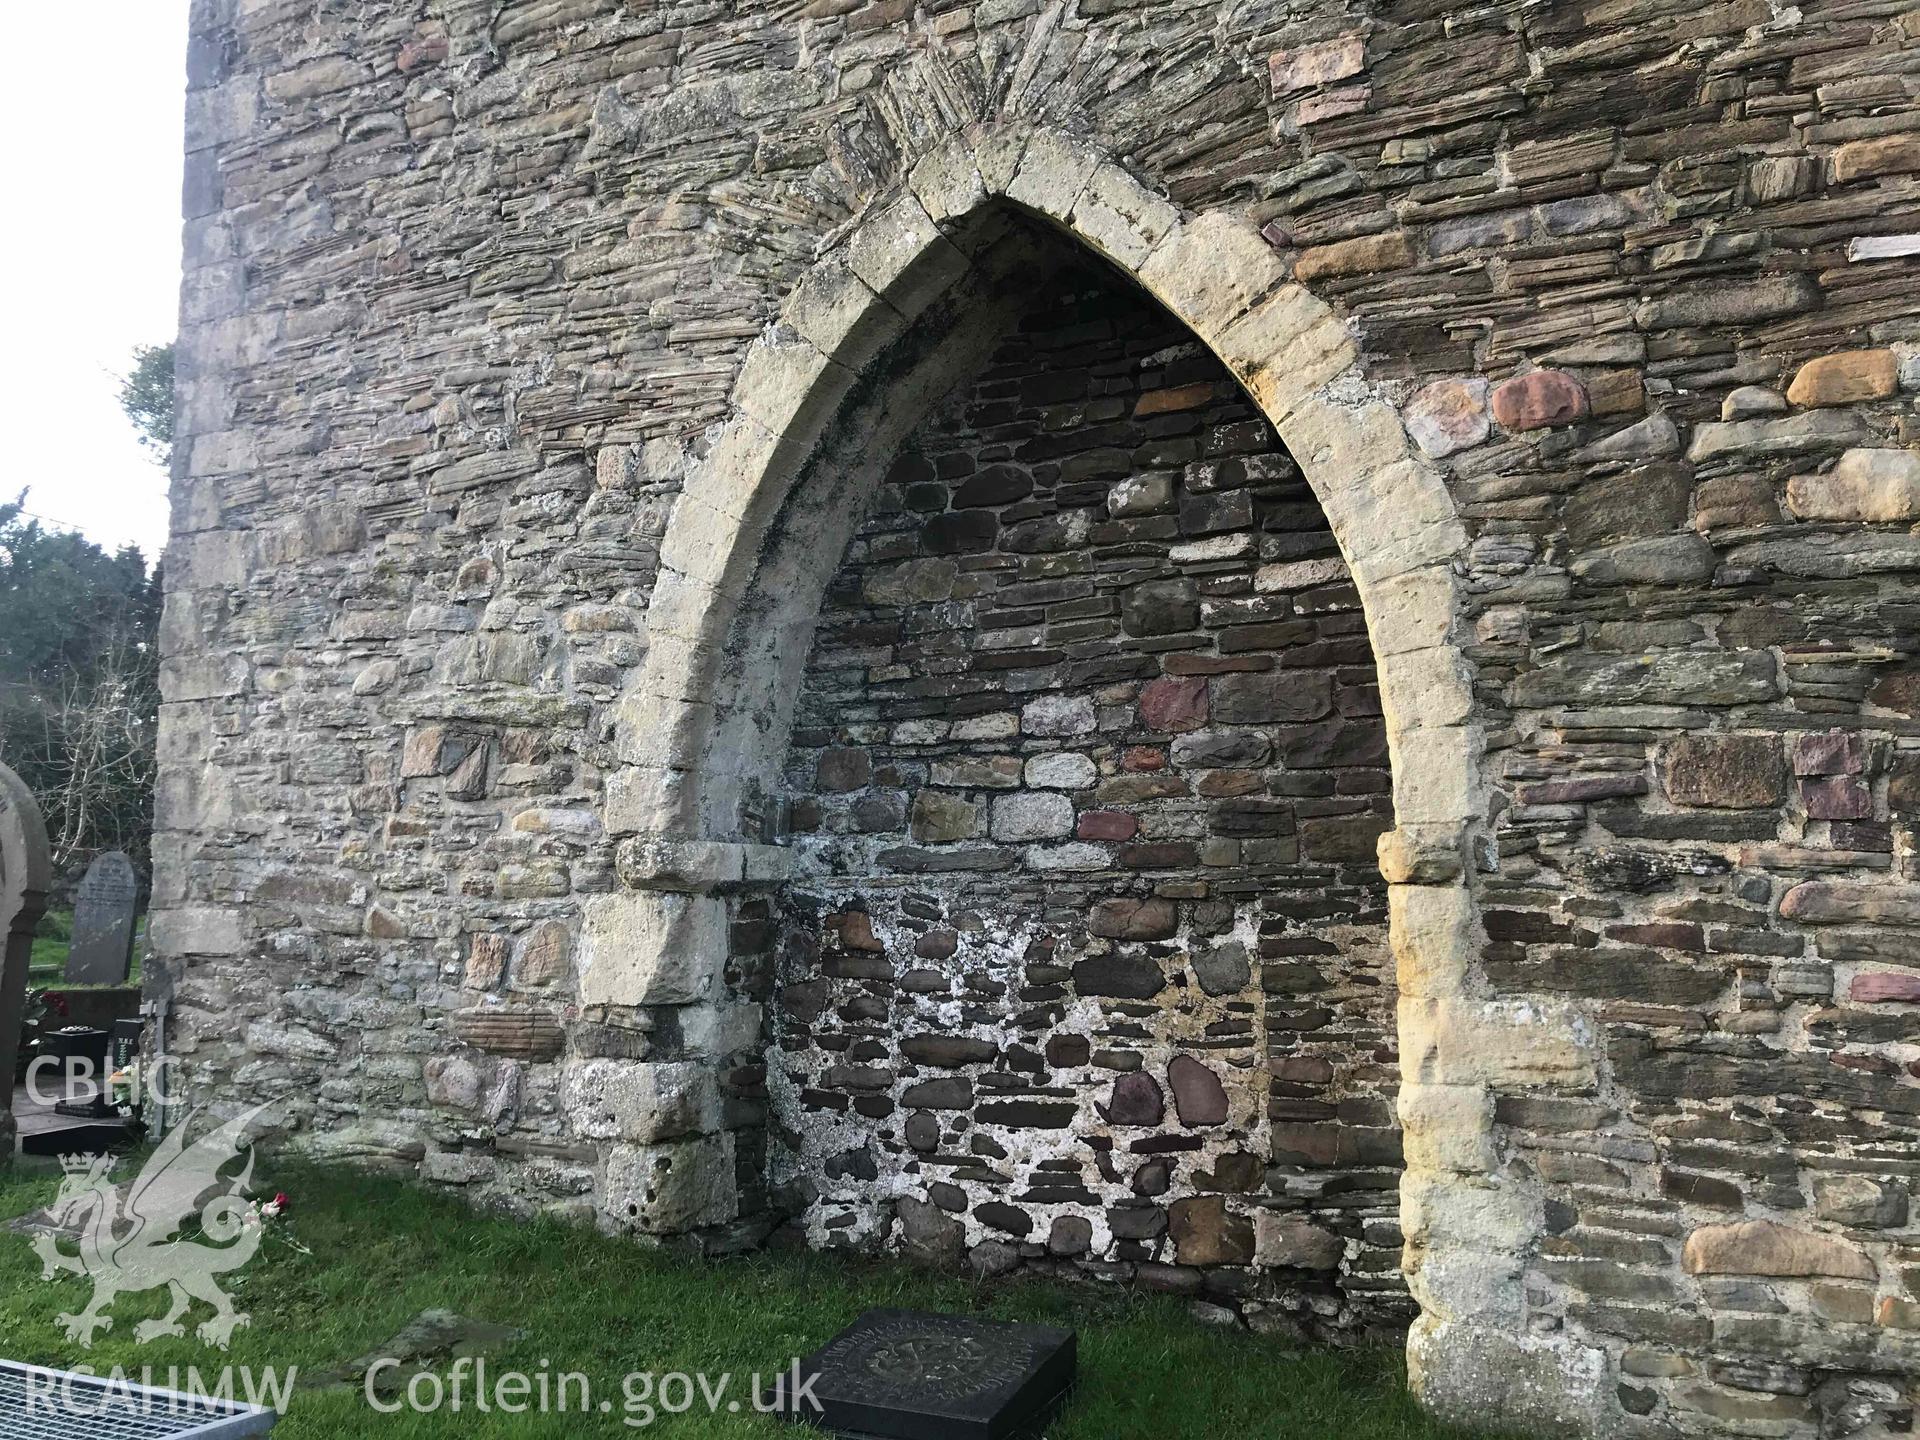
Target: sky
(92, 115)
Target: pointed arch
(680, 792)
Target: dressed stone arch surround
(702, 726)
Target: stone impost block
(652, 948)
(1421, 855)
(700, 867)
(671, 1188)
(634, 1100)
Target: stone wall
(1593, 330)
(1087, 773)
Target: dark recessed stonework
(1158, 758)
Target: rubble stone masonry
(872, 622)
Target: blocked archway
(705, 721)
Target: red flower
(282, 1203)
(56, 1002)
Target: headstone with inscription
(103, 910)
(907, 1375)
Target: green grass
(382, 1251)
(51, 941)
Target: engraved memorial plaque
(103, 911)
(907, 1375)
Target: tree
(79, 684)
(79, 658)
(146, 394)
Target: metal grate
(40, 1404)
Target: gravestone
(26, 871)
(915, 1376)
(103, 912)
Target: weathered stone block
(607, 1099)
(672, 1188)
(1846, 378)
(1733, 772)
(1362, 255)
(1849, 902)
(1875, 486)
(1055, 716)
(1270, 697)
(1878, 155)
(1174, 704)
(1817, 432)
(1289, 1241)
(1032, 815)
(1537, 400)
(1674, 677)
(1764, 1247)
(197, 930)
(651, 948)
(1199, 1098)
(1205, 1232)
(1061, 770)
(1860, 1200)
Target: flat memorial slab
(909, 1375)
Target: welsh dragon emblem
(131, 1239)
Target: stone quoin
(1266, 651)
